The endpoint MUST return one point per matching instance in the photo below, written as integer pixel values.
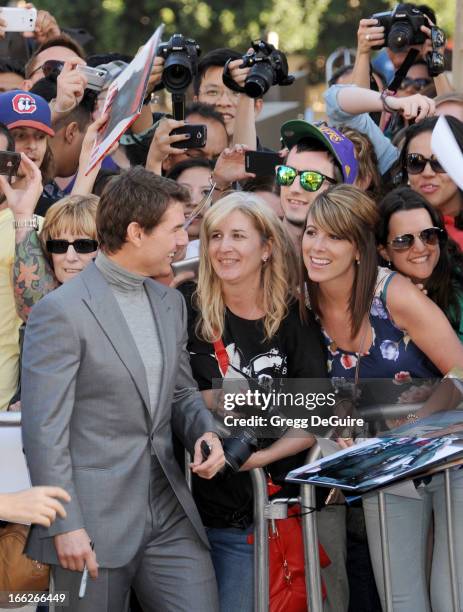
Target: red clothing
(453, 232)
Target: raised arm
(32, 274)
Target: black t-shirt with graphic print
(296, 351)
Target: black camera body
(268, 67)
(402, 27)
(181, 63)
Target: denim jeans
(233, 560)
(408, 523)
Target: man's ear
(27, 85)
(258, 105)
(134, 234)
(70, 132)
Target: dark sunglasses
(310, 180)
(415, 83)
(82, 246)
(430, 236)
(49, 67)
(416, 163)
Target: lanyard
(221, 356)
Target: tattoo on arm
(33, 276)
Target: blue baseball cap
(25, 109)
(340, 147)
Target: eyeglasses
(415, 83)
(430, 236)
(49, 67)
(416, 163)
(215, 93)
(310, 180)
(81, 246)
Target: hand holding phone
(198, 136)
(262, 163)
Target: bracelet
(32, 223)
(384, 94)
(213, 185)
(67, 110)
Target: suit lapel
(106, 311)
(160, 307)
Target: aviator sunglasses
(310, 180)
(416, 163)
(81, 246)
(430, 236)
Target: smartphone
(198, 136)
(18, 19)
(186, 265)
(205, 450)
(262, 163)
(96, 77)
(9, 163)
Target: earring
(389, 263)
(357, 261)
(264, 258)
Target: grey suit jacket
(86, 419)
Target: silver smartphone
(18, 19)
(96, 77)
(186, 265)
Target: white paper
(446, 149)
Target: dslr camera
(402, 27)
(268, 67)
(181, 63)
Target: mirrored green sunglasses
(310, 180)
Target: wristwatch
(32, 223)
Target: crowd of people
(130, 293)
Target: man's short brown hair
(136, 195)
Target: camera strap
(222, 356)
(402, 70)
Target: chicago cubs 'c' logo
(24, 104)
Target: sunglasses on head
(310, 180)
(416, 163)
(430, 236)
(81, 245)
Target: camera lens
(177, 74)
(400, 37)
(259, 80)
(238, 450)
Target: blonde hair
(73, 214)
(278, 279)
(347, 212)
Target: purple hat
(335, 142)
(24, 109)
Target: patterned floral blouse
(392, 353)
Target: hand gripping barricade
(265, 512)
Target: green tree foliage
(315, 27)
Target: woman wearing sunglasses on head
(378, 325)
(426, 176)
(65, 246)
(412, 240)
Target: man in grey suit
(106, 382)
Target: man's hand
(230, 166)
(23, 201)
(70, 90)
(36, 505)
(214, 463)
(161, 145)
(416, 107)
(236, 73)
(369, 34)
(156, 73)
(74, 551)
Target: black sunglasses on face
(81, 245)
(416, 163)
(310, 180)
(49, 67)
(430, 236)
